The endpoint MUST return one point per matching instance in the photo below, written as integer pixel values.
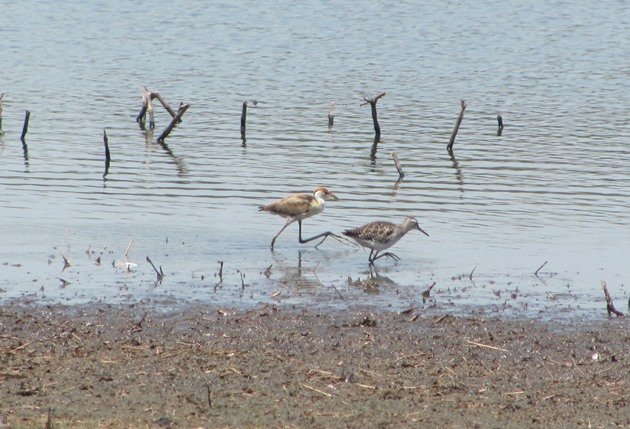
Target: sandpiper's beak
(422, 230)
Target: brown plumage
(379, 236)
(296, 207)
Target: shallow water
(554, 187)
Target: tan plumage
(296, 207)
(379, 236)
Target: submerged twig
(500, 124)
(539, 268)
(331, 115)
(610, 307)
(160, 273)
(27, 117)
(449, 147)
(427, 293)
(107, 154)
(180, 112)
(401, 174)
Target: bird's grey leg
(372, 256)
(315, 237)
(389, 255)
(289, 222)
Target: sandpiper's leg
(372, 256)
(289, 222)
(315, 237)
(389, 255)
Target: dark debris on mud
(131, 367)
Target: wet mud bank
(274, 366)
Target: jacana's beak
(333, 196)
(422, 230)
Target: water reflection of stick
(372, 102)
(609, 302)
(180, 112)
(449, 147)
(539, 268)
(25, 127)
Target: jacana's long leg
(289, 222)
(315, 237)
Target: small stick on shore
(180, 112)
(500, 124)
(401, 174)
(372, 102)
(610, 307)
(472, 272)
(27, 117)
(49, 423)
(160, 273)
(540, 268)
(331, 115)
(449, 147)
(107, 154)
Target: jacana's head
(325, 194)
(412, 223)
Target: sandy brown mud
(119, 367)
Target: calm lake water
(554, 187)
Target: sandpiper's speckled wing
(373, 231)
(293, 205)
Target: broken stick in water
(449, 147)
(107, 154)
(401, 174)
(539, 268)
(372, 102)
(500, 124)
(25, 127)
(147, 107)
(246, 103)
(331, 115)
(160, 273)
(180, 112)
(610, 307)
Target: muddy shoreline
(134, 366)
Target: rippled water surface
(554, 187)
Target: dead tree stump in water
(449, 147)
(180, 112)
(331, 115)
(246, 103)
(27, 117)
(372, 102)
(500, 125)
(147, 107)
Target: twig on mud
(439, 319)
(539, 268)
(333, 286)
(486, 346)
(138, 326)
(128, 248)
(49, 423)
(470, 276)
(609, 302)
(267, 271)
(316, 390)
(209, 396)
(160, 273)
(409, 310)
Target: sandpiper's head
(325, 194)
(412, 223)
